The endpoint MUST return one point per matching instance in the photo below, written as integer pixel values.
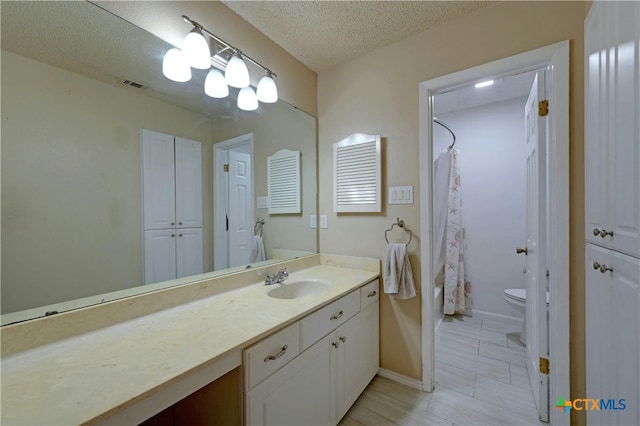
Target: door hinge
(544, 366)
(226, 167)
(543, 108)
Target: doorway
(232, 201)
(555, 58)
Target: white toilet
(517, 299)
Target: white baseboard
(400, 378)
(491, 315)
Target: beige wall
(378, 93)
(275, 127)
(297, 84)
(71, 192)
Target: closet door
(188, 252)
(158, 180)
(623, 108)
(612, 134)
(159, 255)
(598, 295)
(188, 183)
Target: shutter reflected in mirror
(356, 174)
(283, 182)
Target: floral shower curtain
(457, 287)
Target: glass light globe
(175, 67)
(237, 74)
(267, 90)
(196, 50)
(214, 84)
(247, 99)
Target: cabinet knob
(521, 250)
(173, 223)
(596, 265)
(343, 339)
(373, 293)
(179, 223)
(179, 235)
(173, 235)
(596, 231)
(336, 345)
(605, 268)
(604, 233)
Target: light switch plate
(401, 195)
(313, 221)
(324, 221)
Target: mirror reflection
(80, 90)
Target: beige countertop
(90, 377)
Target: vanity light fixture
(484, 84)
(175, 67)
(267, 90)
(214, 84)
(196, 50)
(197, 53)
(237, 74)
(247, 99)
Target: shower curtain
(449, 235)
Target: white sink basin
(298, 289)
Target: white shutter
(283, 182)
(356, 174)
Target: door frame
(221, 195)
(555, 58)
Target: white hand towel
(257, 250)
(398, 277)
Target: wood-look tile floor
(481, 379)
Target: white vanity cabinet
(172, 206)
(318, 386)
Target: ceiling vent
(132, 84)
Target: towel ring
(400, 224)
(258, 226)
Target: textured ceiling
(325, 33)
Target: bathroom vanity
(303, 359)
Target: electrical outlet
(313, 221)
(324, 222)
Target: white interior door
(240, 208)
(536, 279)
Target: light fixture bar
(221, 41)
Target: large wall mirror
(78, 86)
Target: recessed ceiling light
(484, 84)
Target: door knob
(605, 268)
(596, 265)
(596, 231)
(521, 250)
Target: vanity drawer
(264, 358)
(369, 294)
(322, 322)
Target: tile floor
(481, 379)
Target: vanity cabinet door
(300, 393)
(357, 357)
(188, 183)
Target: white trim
(556, 57)
(220, 196)
(494, 316)
(400, 378)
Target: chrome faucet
(276, 278)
